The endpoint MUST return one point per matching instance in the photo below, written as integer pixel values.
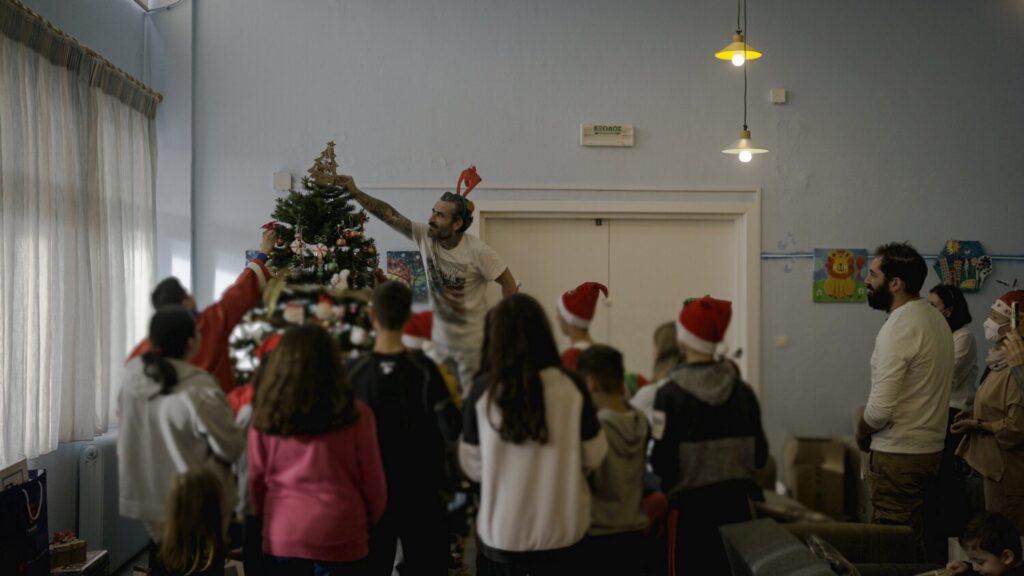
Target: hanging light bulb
(738, 51)
(744, 148)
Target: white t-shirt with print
(457, 282)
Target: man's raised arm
(378, 208)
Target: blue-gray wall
(902, 124)
(113, 28)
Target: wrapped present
(66, 548)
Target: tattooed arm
(378, 208)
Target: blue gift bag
(24, 538)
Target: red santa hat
(416, 334)
(577, 306)
(703, 322)
(1004, 304)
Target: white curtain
(76, 247)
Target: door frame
(746, 213)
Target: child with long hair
(194, 541)
(174, 418)
(315, 471)
(530, 431)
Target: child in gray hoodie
(616, 543)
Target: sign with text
(607, 135)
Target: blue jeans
(293, 566)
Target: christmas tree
(321, 234)
(324, 267)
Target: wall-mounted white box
(607, 135)
(282, 181)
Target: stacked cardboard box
(816, 473)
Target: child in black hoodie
(708, 440)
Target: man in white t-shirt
(459, 267)
(904, 422)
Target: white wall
(902, 125)
(169, 71)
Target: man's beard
(880, 298)
(437, 233)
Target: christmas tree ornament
(325, 308)
(298, 246)
(340, 280)
(294, 313)
(339, 242)
(320, 251)
(358, 335)
(325, 167)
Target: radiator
(99, 523)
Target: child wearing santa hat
(708, 440)
(575, 313)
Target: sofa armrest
(763, 548)
(862, 543)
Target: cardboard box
(816, 473)
(14, 474)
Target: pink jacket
(318, 495)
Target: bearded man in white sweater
(904, 422)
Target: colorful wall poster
(963, 263)
(840, 275)
(407, 266)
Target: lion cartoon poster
(840, 275)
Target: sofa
(764, 547)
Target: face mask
(992, 331)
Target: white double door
(650, 263)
